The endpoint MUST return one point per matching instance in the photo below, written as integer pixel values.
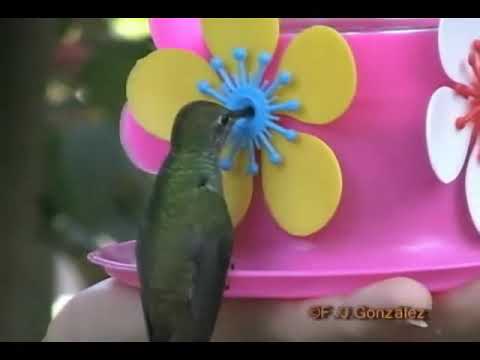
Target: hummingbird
(186, 238)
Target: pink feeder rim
(395, 217)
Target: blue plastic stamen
(205, 88)
(256, 143)
(252, 167)
(241, 55)
(282, 79)
(291, 105)
(218, 65)
(263, 61)
(236, 79)
(226, 163)
(288, 134)
(273, 154)
(226, 79)
(240, 90)
(224, 89)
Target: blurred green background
(67, 185)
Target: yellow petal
(256, 35)
(324, 74)
(161, 84)
(238, 189)
(303, 193)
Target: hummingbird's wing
(162, 300)
(181, 298)
(211, 262)
(161, 315)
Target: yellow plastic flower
(301, 176)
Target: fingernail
(418, 323)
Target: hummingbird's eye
(223, 120)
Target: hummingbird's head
(204, 125)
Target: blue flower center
(242, 90)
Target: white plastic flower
(453, 117)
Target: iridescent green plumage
(184, 249)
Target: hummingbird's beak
(237, 114)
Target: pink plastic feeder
(395, 218)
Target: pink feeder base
(395, 218)
(119, 262)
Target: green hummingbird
(186, 239)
